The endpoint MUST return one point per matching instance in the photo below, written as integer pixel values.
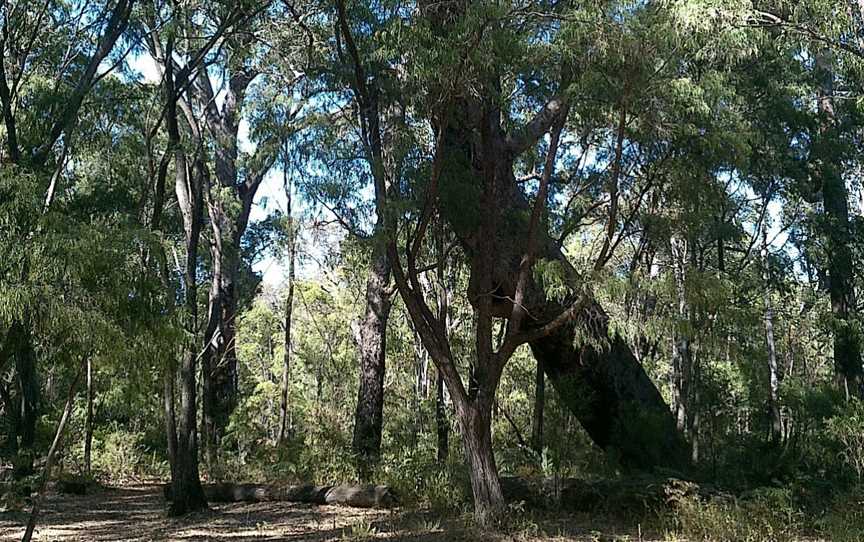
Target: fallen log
(345, 495)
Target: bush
(846, 428)
(119, 456)
(764, 515)
(844, 520)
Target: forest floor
(137, 513)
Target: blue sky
(269, 198)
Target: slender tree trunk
(695, 421)
(49, 460)
(682, 359)
(88, 422)
(539, 406)
(441, 425)
(371, 343)
(170, 416)
(284, 416)
(775, 420)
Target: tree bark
(187, 481)
(774, 418)
(88, 422)
(170, 416)
(441, 425)
(190, 180)
(372, 345)
(475, 421)
(838, 240)
(539, 405)
(284, 416)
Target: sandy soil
(137, 513)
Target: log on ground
(345, 495)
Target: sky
(269, 198)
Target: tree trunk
(371, 343)
(186, 480)
(441, 424)
(88, 422)
(49, 460)
(539, 405)
(284, 416)
(775, 420)
(475, 421)
(219, 362)
(23, 407)
(838, 240)
(612, 396)
(682, 359)
(170, 416)
(189, 496)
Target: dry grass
(137, 513)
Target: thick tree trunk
(219, 362)
(475, 421)
(88, 422)
(186, 480)
(598, 378)
(611, 395)
(838, 239)
(371, 344)
(539, 406)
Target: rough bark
(838, 241)
(346, 495)
(475, 422)
(170, 416)
(188, 183)
(442, 427)
(371, 345)
(539, 406)
(611, 395)
(187, 482)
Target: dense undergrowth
(756, 492)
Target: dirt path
(138, 514)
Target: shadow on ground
(138, 514)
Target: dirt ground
(137, 513)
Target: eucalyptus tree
(52, 53)
(472, 184)
(826, 38)
(260, 49)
